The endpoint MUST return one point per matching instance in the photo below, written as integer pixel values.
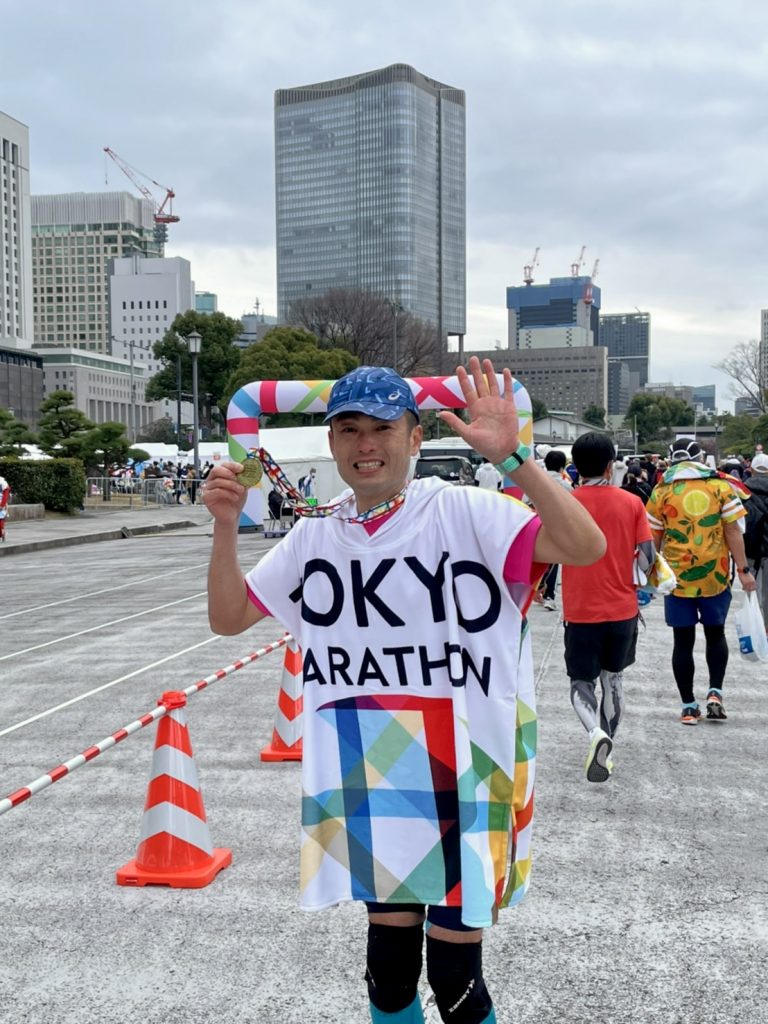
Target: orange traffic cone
(286, 736)
(175, 844)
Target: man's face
(373, 456)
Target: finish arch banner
(311, 396)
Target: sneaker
(715, 709)
(549, 603)
(599, 765)
(690, 714)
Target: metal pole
(178, 397)
(133, 402)
(195, 415)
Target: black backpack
(754, 526)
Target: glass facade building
(627, 336)
(371, 192)
(563, 313)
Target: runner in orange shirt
(600, 604)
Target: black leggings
(682, 658)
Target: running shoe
(599, 765)
(715, 709)
(690, 714)
(549, 603)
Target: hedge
(59, 484)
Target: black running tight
(682, 658)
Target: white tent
(159, 452)
(295, 449)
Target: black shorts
(593, 646)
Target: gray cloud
(638, 130)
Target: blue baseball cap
(376, 391)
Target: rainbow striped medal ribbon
(302, 507)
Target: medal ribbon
(302, 507)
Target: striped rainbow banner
(268, 396)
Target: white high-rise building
(145, 297)
(15, 236)
(74, 237)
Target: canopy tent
(295, 449)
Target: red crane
(528, 268)
(577, 263)
(588, 286)
(161, 215)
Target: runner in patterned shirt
(694, 517)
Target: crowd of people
(170, 482)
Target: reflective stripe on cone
(286, 742)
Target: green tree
(161, 431)
(741, 433)
(655, 415)
(104, 446)
(14, 435)
(62, 426)
(289, 353)
(538, 409)
(218, 358)
(594, 414)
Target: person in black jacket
(635, 484)
(756, 531)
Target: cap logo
(394, 396)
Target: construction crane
(528, 268)
(588, 286)
(161, 216)
(575, 266)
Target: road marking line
(107, 590)
(106, 686)
(103, 625)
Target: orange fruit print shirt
(692, 514)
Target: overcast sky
(637, 129)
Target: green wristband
(515, 460)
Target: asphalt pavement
(649, 896)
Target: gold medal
(252, 471)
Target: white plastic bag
(750, 629)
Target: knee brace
(455, 973)
(393, 965)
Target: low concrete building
(102, 385)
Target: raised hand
(493, 427)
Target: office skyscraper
(371, 192)
(627, 336)
(562, 314)
(15, 236)
(74, 237)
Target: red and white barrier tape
(20, 795)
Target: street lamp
(132, 425)
(396, 308)
(194, 344)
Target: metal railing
(106, 492)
